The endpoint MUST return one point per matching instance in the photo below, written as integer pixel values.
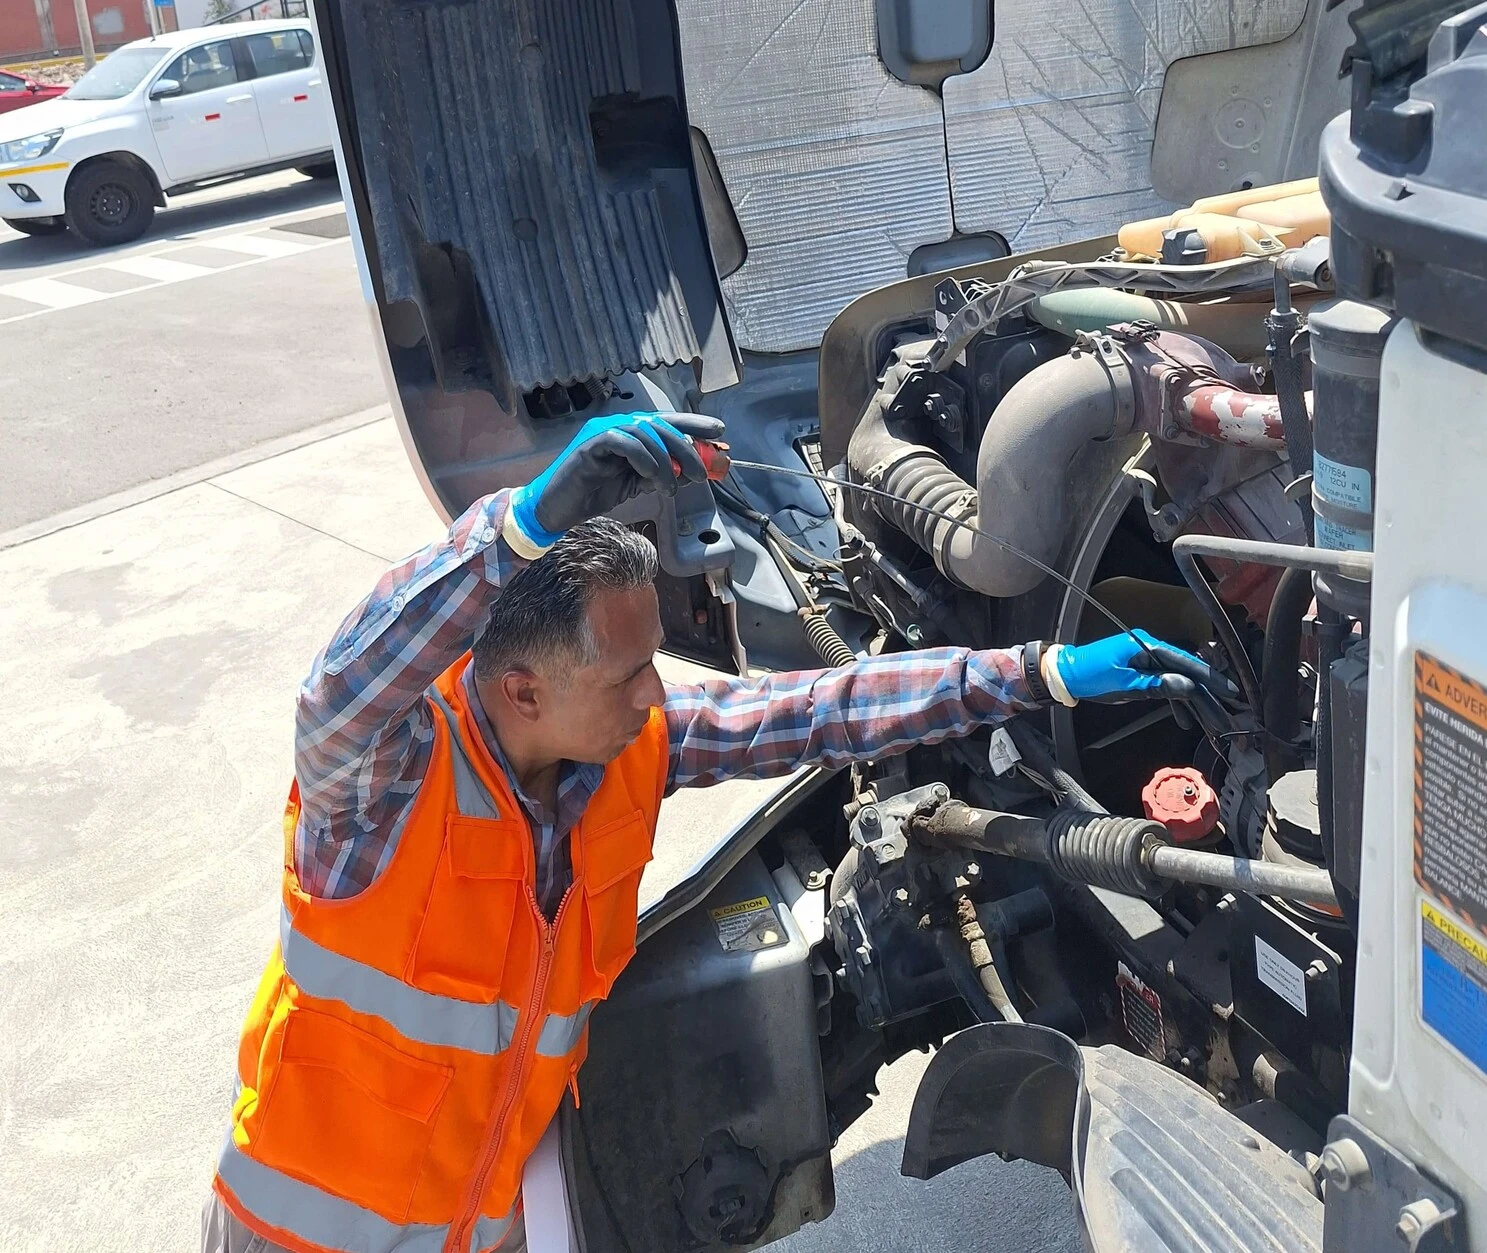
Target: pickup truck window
(201, 69)
(280, 51)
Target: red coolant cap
(1179, 797)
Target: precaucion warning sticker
(748, 926)
(1451, 788)
(1453, 984)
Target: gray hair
(541, 622)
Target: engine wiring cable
(1005, 545)
(1193, 694)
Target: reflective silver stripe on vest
(560, 1032)
(416, 1014)
(316, 1216)
(470, 794)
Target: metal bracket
(1122, 382)
(1165, 520)
(1377, 1199)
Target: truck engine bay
(1074, 448)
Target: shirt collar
(585, 774)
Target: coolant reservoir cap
(1180, 798)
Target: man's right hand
(610, 460)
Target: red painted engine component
(1180, 798)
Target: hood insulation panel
(474, 122)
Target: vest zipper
(460, 1235)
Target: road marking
(153, 269)
(50, 293)
(161, 269)
(257, 245)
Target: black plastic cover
(1155, 1162)
(1405, 181)
(702, 1125)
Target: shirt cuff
(516, 539)
(997, 674)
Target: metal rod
(1345, 564)
(1241, 874)
(1186, 557)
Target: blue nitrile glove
(1118, 667)
(610, 460)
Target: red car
(17, 91)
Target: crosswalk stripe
(161, 269)
(51, 293)
(257, 245)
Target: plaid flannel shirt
(364, 732)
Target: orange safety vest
(408, 1047)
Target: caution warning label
(1453, 984)
(748, 926)
(1451, 788)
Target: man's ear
(523, 692)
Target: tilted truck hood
(551, 196)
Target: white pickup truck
(161, 116)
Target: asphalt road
(197, 482)
(222, 328)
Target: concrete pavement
(149, 659)
(225, 326)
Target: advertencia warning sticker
(1451, 788)
(748, 926)
(1453, 984)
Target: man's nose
(652, 692)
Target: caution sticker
(748, 926)
(1451, 789)
(1141, 1009)
(1453, 984)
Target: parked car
(17, 91)
(163, 116)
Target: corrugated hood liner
(474, 123)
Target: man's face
(603, 706)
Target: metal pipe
(1241, 874)
(1347, 563)
(1281, 328)
(1185, 554)
(1228, 415)
(1128, 855)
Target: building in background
(31, 29)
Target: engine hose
(1037, 752)
(1280, 677)
(1105, 850)
(834, 650)
(1185, 554)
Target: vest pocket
(613, 857)
(349, 1113)
(462, 941)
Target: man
(465, 838)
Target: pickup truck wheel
(36, 226)
(109, 203)
(326, 169)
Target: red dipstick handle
(714, 459)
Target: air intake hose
(1032, 439)
(1106, 388)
